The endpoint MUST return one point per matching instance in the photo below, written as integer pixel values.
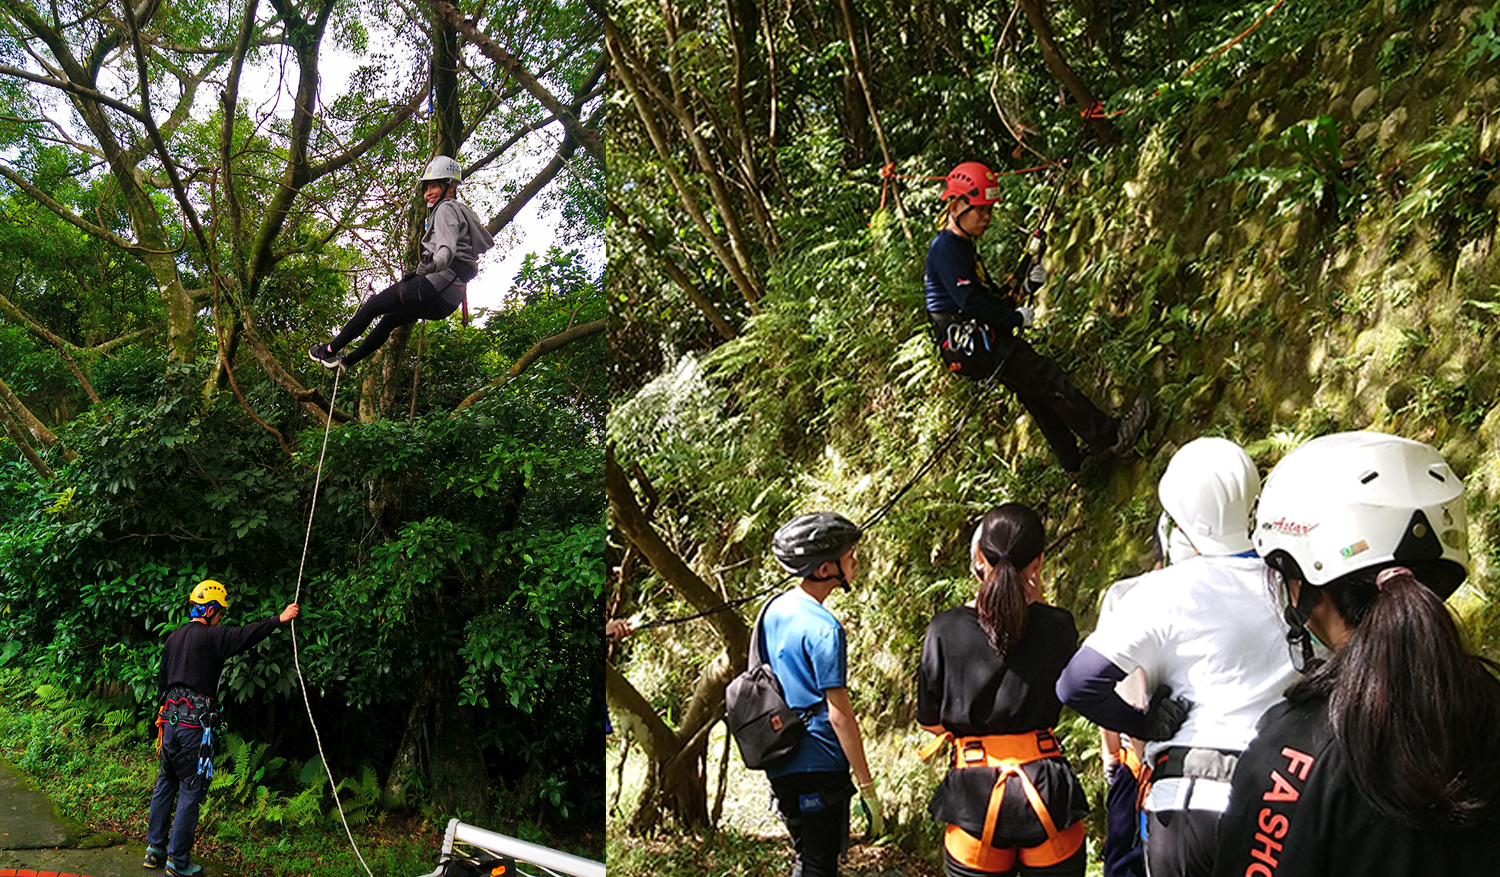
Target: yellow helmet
(210, 591)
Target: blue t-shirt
(805, 647)
(955, 281)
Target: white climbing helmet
(1356, 500)
(441, 168)
(1209, 489)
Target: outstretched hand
(289, 613)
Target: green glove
(870, 800)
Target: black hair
(1417, 714)
(1010, 537)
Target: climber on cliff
(974, 325)
(454, 238)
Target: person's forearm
(1087, 685)
(846, 728)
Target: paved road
(35, 837)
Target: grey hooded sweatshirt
(454, 238)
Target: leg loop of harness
(1007, 754)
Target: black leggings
(399, 304)
(815, 808)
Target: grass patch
(94, 759)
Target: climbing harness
(183, 707)
(966, 338)
(296, 656)
(1008, 754)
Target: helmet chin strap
(1296, 615)
(843, 582)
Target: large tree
(186, 199)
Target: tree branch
(161, 146)
(674, 271)
(73, 88)
(537, 351)
(18, 435)
(626, 75)
(632, 521)
(539, 182)
(338, 162)
(77, 221)
(588, 137)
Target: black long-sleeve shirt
(196, 652)
(956, 281)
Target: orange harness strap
(1007, 753)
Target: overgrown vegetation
(92, 757)
(1296, 238)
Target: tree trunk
(460, 783)
(407, 763)
(1104, 129)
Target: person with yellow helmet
(453, 238)
(187, 714)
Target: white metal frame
(549, 860)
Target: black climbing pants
(974, 350)
(399, 304)
(815, 808)
(1059, 409)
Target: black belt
(183, 706)
(1190, 761)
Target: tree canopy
(187, 200)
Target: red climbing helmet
(975, 182)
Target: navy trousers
(177, 778)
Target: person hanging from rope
(805, 648)
(974, 325)
(1011, 800)
(187, 716)
(453, 239)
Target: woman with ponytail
(1011, 801)
(1385, 758)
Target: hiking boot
(323, 355)
(154, 857)
(1130, 427)
(176, 870)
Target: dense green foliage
(459, 551)
(269, 816)
(190, 195)
(1294, 239)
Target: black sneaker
(1130, 427)
(323, 355)
(154, 857)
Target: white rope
(296, 658)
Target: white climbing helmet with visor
(1357, 500)
(441, 169)
(1209, 491)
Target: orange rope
(1097, 110)
(888, 173)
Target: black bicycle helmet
(808, 541)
